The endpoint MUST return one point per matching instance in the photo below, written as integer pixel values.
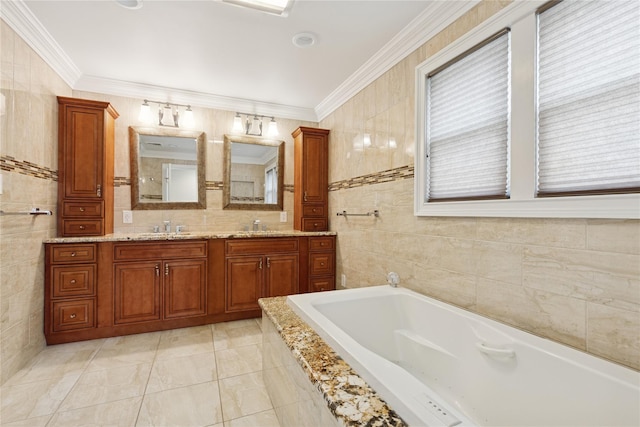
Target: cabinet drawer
(321, 243)
(74, 314)
(82, 209)
(73, 253)
(82, 227)
(315, 224)
(71, 281)
(159, 250)
(322, 284)
(321, 264)
(260, 246)
(313, 210)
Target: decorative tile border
(403, 172)
(10, 164)
(214, 185)
(119, 181)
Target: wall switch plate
(283, 216)
(127, 217)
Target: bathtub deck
(348, 397)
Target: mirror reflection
(167, 170)
(253, 173)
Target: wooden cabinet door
(281, 275)
(84, 152)
(185, 288)
(137, 291)
(243, 283)
(314, 169)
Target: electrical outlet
(127, 217)
(283, 216)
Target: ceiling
(221, 55)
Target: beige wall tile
(614, 236)
(613, 333)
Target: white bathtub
(436, 364)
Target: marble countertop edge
(195, 235)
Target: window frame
(521, 18)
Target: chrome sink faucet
(256, 225)
(167, 226)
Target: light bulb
(145, 113)
(366, 140)
(237, 123)
(187, 117)
(273, 127)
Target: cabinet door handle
(268, 262)
(99, 191)
(260, 265)
(166, 269)
(72, 316)
(305, 196)
(157, 270)
(73, 281)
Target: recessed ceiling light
(304, 40)
(130, 4)
(274, 7)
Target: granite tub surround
(142, 237)
(309, 384)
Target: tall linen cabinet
(311, 179)
(85, 167)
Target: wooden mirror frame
(134, 152)
(226, 188)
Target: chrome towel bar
(375, 213)
(34, 211)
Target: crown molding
(436, 17)
(20, 18)
(199, 99)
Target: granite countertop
(348, 396)
(187, 235)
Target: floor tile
(185, 342)
(35, 399)
(31, 422)
(243, 395)
(196, 405)
(261, 419)
(51, 364)
(182, 371)
(118, 413)
(107, 385)
(239, 360)
(126, 351)
(236, 334)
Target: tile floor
(202, 376)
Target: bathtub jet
(437, 364)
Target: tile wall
(28, 165)
(573, 281)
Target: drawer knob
(314, 210)
(72, 316)
(81, 227)
(315, 224)
(73, 254)
(73, 281)
(81, 209)
(322, 264)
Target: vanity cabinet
(85, 167)
(159, 282)
(311, 179)
(257, 268)
(70, 291)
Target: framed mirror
(253, 173)
(167, 169)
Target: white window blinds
(589, 97)
(467, 124)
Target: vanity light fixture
(252, 124)
(168, 114)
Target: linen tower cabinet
(311, 179)
(85, 167)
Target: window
(468, 124)
(572, 133)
